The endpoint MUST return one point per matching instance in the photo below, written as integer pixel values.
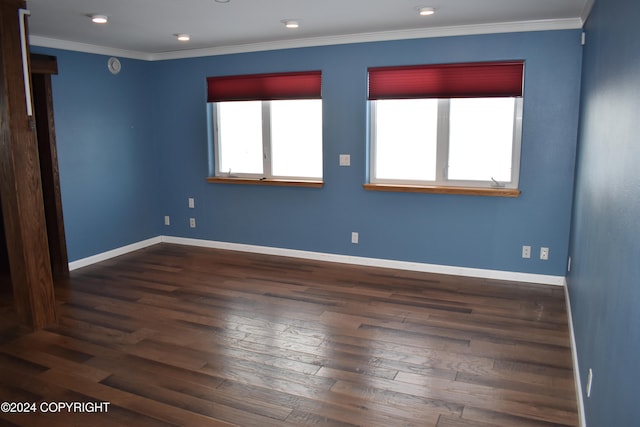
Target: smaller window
(453, 125)
(267, 126)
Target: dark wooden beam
(20, 183)
(43, 64)
(45, 125)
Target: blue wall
(440, 229)
(107, 157)
(468, 231)
(604, 282)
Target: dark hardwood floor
(182, 336)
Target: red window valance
(296, 85)
(467, 80)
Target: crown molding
(462, 30)
(87, 48)
(586, 11)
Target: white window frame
(442, 153)
(266, 149)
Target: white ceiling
(145, 28)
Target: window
(267, 126)
(454, 125)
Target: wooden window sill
(265, 181)
(469, 191)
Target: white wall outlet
(192, 222)
(354, 237)
(544, 254)
(526, 252)
(589, 382)
(192, 203)
(345, 160)
(167, 220)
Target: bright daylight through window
(270, 138)
(267, 126)
(446, 125)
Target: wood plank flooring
(182, 336)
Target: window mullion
(266, 139)
(442, 150)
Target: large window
(267, 126)
(455, 125)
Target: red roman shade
(262, 87)
(467, 80)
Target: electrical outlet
(345, 160)
(167, 220)
(526, 252)
(589, 382)
(544, 254)
(192, 222)
(191, 203)
(354, 237)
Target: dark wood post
(20, 182)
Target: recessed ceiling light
(183, 37)
(290, 23)
(99, 19)
(426, 11)
(223, 1)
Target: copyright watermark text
(54, 407)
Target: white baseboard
(114, 253)
(574, 354)
(374, 262)
(511, 276)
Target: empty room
(286, 213)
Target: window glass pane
(296, 138)
(240, 137)
(406, 139)
(481, 139)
